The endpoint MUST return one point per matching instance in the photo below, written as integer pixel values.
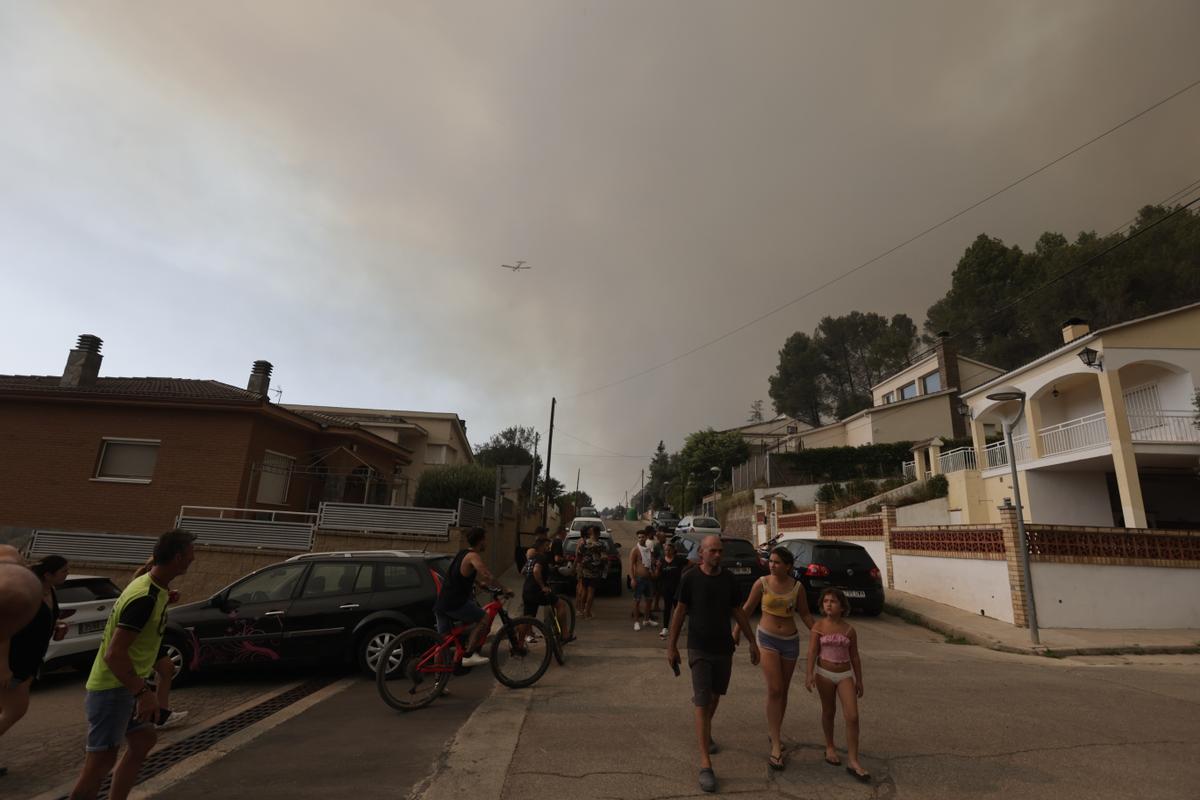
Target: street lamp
(1023, 544)
(716, 473)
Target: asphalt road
(939, 720)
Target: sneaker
(477, 660)
(662, 634)
(708, 780)
(169, 719)
(637, 626)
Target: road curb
(971, 637)
(475, 763)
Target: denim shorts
(787, 647)
(642, 588)
(110, 718)
(468, 613)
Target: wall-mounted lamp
(1091, 358)
(964, 410)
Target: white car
(579, 523)
(706, 525)
(84, 602)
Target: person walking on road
(836, 670)
(670, 571)
(591, 560)
(29, 644)
(782, 598)
(121, 707)
(641, 558)
(164, 669)
(20, 595)
(708, 597)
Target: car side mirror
(224, 604)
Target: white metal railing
(1074, 434)
(1165, 426)
(411, 522)
(248, 527)
(997, 453)
(909, 469)
(957, 460)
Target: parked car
(821, 564)
(589, 511)
(665, 521)
(738, 556)
(566, 583)
(311, 608)
(705, 525)
(85, 601)
(581, 522)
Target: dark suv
(311, 608)
(566, 583)
(738, 556)
(821, 564)
(666, 521)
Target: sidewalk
(997, 635)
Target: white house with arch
(1109, 434)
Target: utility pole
(533, 470)
(549, 452)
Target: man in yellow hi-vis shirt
(121, 706)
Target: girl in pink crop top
(835, 669)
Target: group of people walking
(123, 704)
(708, 599)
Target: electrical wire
(847, 273)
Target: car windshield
(705, 522)
(580, 524)
(738, 548)
(87, 589)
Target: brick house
(98, 454)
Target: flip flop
(713, 748)
(865, 777)
(776, 762)
(833, 763)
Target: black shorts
(534, 602)
(710, 675)
(589, 582)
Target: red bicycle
(416, 665)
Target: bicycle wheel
(516, 663)
(561, 636)
(404, 682)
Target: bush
(873, 508)
(829, 493)
(788, 506)
(938, 485)
(441, 487)
(860, 489)
(843, 463)
(893, 483)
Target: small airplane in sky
(520, 265)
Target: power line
(847, 273)
(598, 447)
(599, 455)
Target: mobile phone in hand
(675, 667)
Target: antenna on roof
(278, 392)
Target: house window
(890, 397)
(436, 453)
(130, 460)
(274, 479)
(908, 391)
(931, 383)
(792, 430)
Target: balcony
(997, 454)
(1165, 426)
(957, 460)
(1076, 434)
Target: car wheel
(371, 645)
(181, 657)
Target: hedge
(441, 487)
(824, 464)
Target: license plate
(740, 570)
(855, 593)
(92, 627)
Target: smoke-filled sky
(333, 186)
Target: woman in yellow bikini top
(781, 598)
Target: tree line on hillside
(678, 480)
(827, 375)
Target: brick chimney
(1075, 328)
(260, 378)
(947, 361)
(83, 363)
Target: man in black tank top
(456, 601)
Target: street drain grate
(161, 760)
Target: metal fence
(248, 527)
(470, 514)
(79, 546)
(754, 472)
(409, 521)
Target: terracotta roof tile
(167, 388)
